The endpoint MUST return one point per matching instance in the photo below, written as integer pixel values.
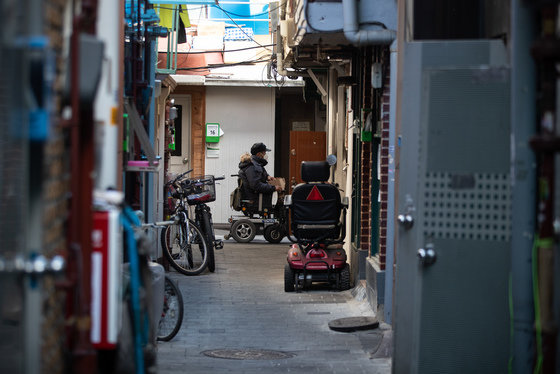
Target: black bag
(236, 196)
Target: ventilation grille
(474, 206)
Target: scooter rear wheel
(243, 231)
(344, 280)
(289, 279)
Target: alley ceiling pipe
(355, 35)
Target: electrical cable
(251, 15)
(190, 45)
(161, 6)
(247, 62)
(224, 51)
(240, 28)
(228, 11)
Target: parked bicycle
(172, 310)
(172, 313)
(183, 242)
(199, 191)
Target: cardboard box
(279, 181)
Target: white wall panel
(246, 116)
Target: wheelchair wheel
(274, 233)
(243, 231)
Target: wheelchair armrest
(287, 200)
(345, 202)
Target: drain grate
(247, 354)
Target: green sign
(212, 132)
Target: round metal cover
(354, 323)
(247, 354)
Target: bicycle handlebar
(203, 180)
(157, 225)
(178, 177)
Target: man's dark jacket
(254, 177)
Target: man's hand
(278, 188)
(270, 178)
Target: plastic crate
(201, 190)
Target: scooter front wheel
(274, 233)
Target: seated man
(254, 175)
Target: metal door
(180, 159)
(451, 311)
(305, 146)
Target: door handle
(185, 161)
(37, 265)
(427, 256)
(406, 221)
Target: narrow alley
(421, 138)
(243, 307)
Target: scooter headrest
(315, 171)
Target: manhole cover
(247, 354)
(354, 323)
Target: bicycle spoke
(172, 313)
(178, 240)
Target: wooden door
(305, 146)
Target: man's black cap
(259, 147)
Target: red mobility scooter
(317, 215)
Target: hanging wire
(240, 28)
(247, 62)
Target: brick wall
(380, 104)
(56, 189)
(365, 209)
(365, 159)
(384, 172)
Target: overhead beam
(317, 83)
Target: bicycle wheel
(172, 314)
(206, 224)
(185, 247)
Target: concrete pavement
(242, 308)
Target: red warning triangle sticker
(315, 194)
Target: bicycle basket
(201, 190)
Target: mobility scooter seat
(316, 206)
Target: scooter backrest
(315, 171)
(316, 207)
(316, 203)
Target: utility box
(106, 263)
